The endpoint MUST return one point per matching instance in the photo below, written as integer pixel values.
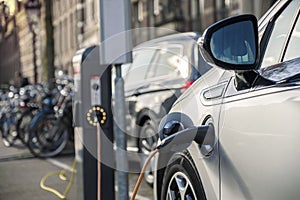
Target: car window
(279, 35)
(199, 66)
(139, 67)
(169, 62)
(293, 48)
(265, 19)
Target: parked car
(162, 69)
(250, 105)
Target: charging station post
(92, 87)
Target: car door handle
(214, 92)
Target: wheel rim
(180, 187)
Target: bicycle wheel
(9, 133)
(48, 137)
(23, 125)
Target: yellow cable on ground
(62, 176)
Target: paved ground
(21, 173)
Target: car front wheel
(181, 180)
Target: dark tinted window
(279, 35)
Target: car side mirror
(232, 44)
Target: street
(21, 173)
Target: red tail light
(186, 85)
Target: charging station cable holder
(96, 114)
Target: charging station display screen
(95, 90)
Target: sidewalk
(20, 175)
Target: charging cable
(99, 120)
(96, 116)
(174, 143)
(62, 176)
(99, 160)
(141, 176)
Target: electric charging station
(92, 93)
(92, 87)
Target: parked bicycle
(9, 115)
(30, 107)
(39, 117)
(51, 128)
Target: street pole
(115, 49)
(49, 47)
(33, 16)
(34, 57)
(120, 136)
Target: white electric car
(249, 103)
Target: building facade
(188, 15)
(16, 46)
(64, 16)
(77, 22)
(76, 25)
(9, 51)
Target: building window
(140, 11)
(167, 11)
(72, 33)
(60, 38)
(156, 7)
(232, 6)
(65, 35)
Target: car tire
(147, 143)
(181, 180)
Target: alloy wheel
(180, 187)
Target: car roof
(173, 38)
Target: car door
(259, 134)
(164, 79)
(134, 81)
(259, 129)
